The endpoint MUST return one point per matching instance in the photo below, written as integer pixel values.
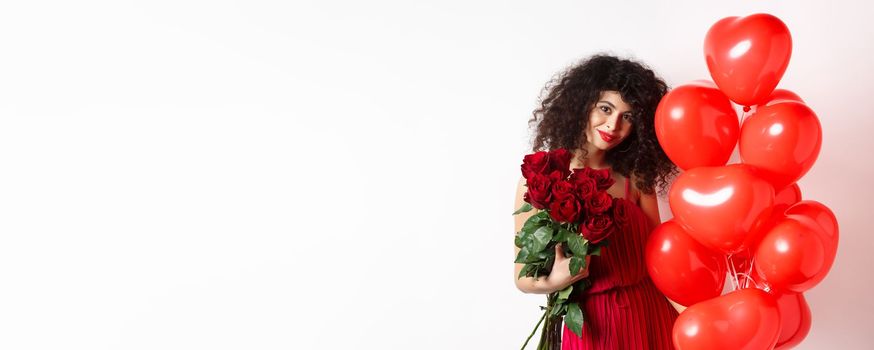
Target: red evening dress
(623, 309)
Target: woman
(603, 110)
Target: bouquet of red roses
(575, 210)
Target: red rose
(560, 159)
(562, 188)
(546, 163)
(586, 187)
(620, 212)
(565, 208)
(602, 177)
(534, 163)
(599, 203)
(539, 192)
(597, 228)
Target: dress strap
(627, 187)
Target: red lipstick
(606, 137)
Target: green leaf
(563, 234)
(574, 319)
(546, 255)
(527, 229)
(541, 218)
(524, 256)
(578, 245)
(577, 264)
(525, 208)
(526, 270)
(565, 293)
(546, 263)
(532, 224)
(540, 239)
(525, 238)
(558, 310)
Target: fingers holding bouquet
(561, 277)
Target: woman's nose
(612, 123)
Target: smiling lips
(606, 137)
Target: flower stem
(548, 339)
(535, 328)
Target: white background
(340, 175)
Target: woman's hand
(560, 277)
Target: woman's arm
(650, 205)
(560, 277)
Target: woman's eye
(605, 109)
(627, 117)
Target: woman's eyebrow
(614, 107)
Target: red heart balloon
(683, 269)
(816, 214)
(794, 319)
(720, 206)
(781, 141)
(747, 56)
(696, 125)
(793, 256)
(743, 319)
(821, 216)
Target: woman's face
(609, 121)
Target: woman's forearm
(534, 286)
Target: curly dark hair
(567, 100)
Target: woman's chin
(604, 146)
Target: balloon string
(734, 271)
(748, 279)
(764, 285)
(750, 271)
(733, 274)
